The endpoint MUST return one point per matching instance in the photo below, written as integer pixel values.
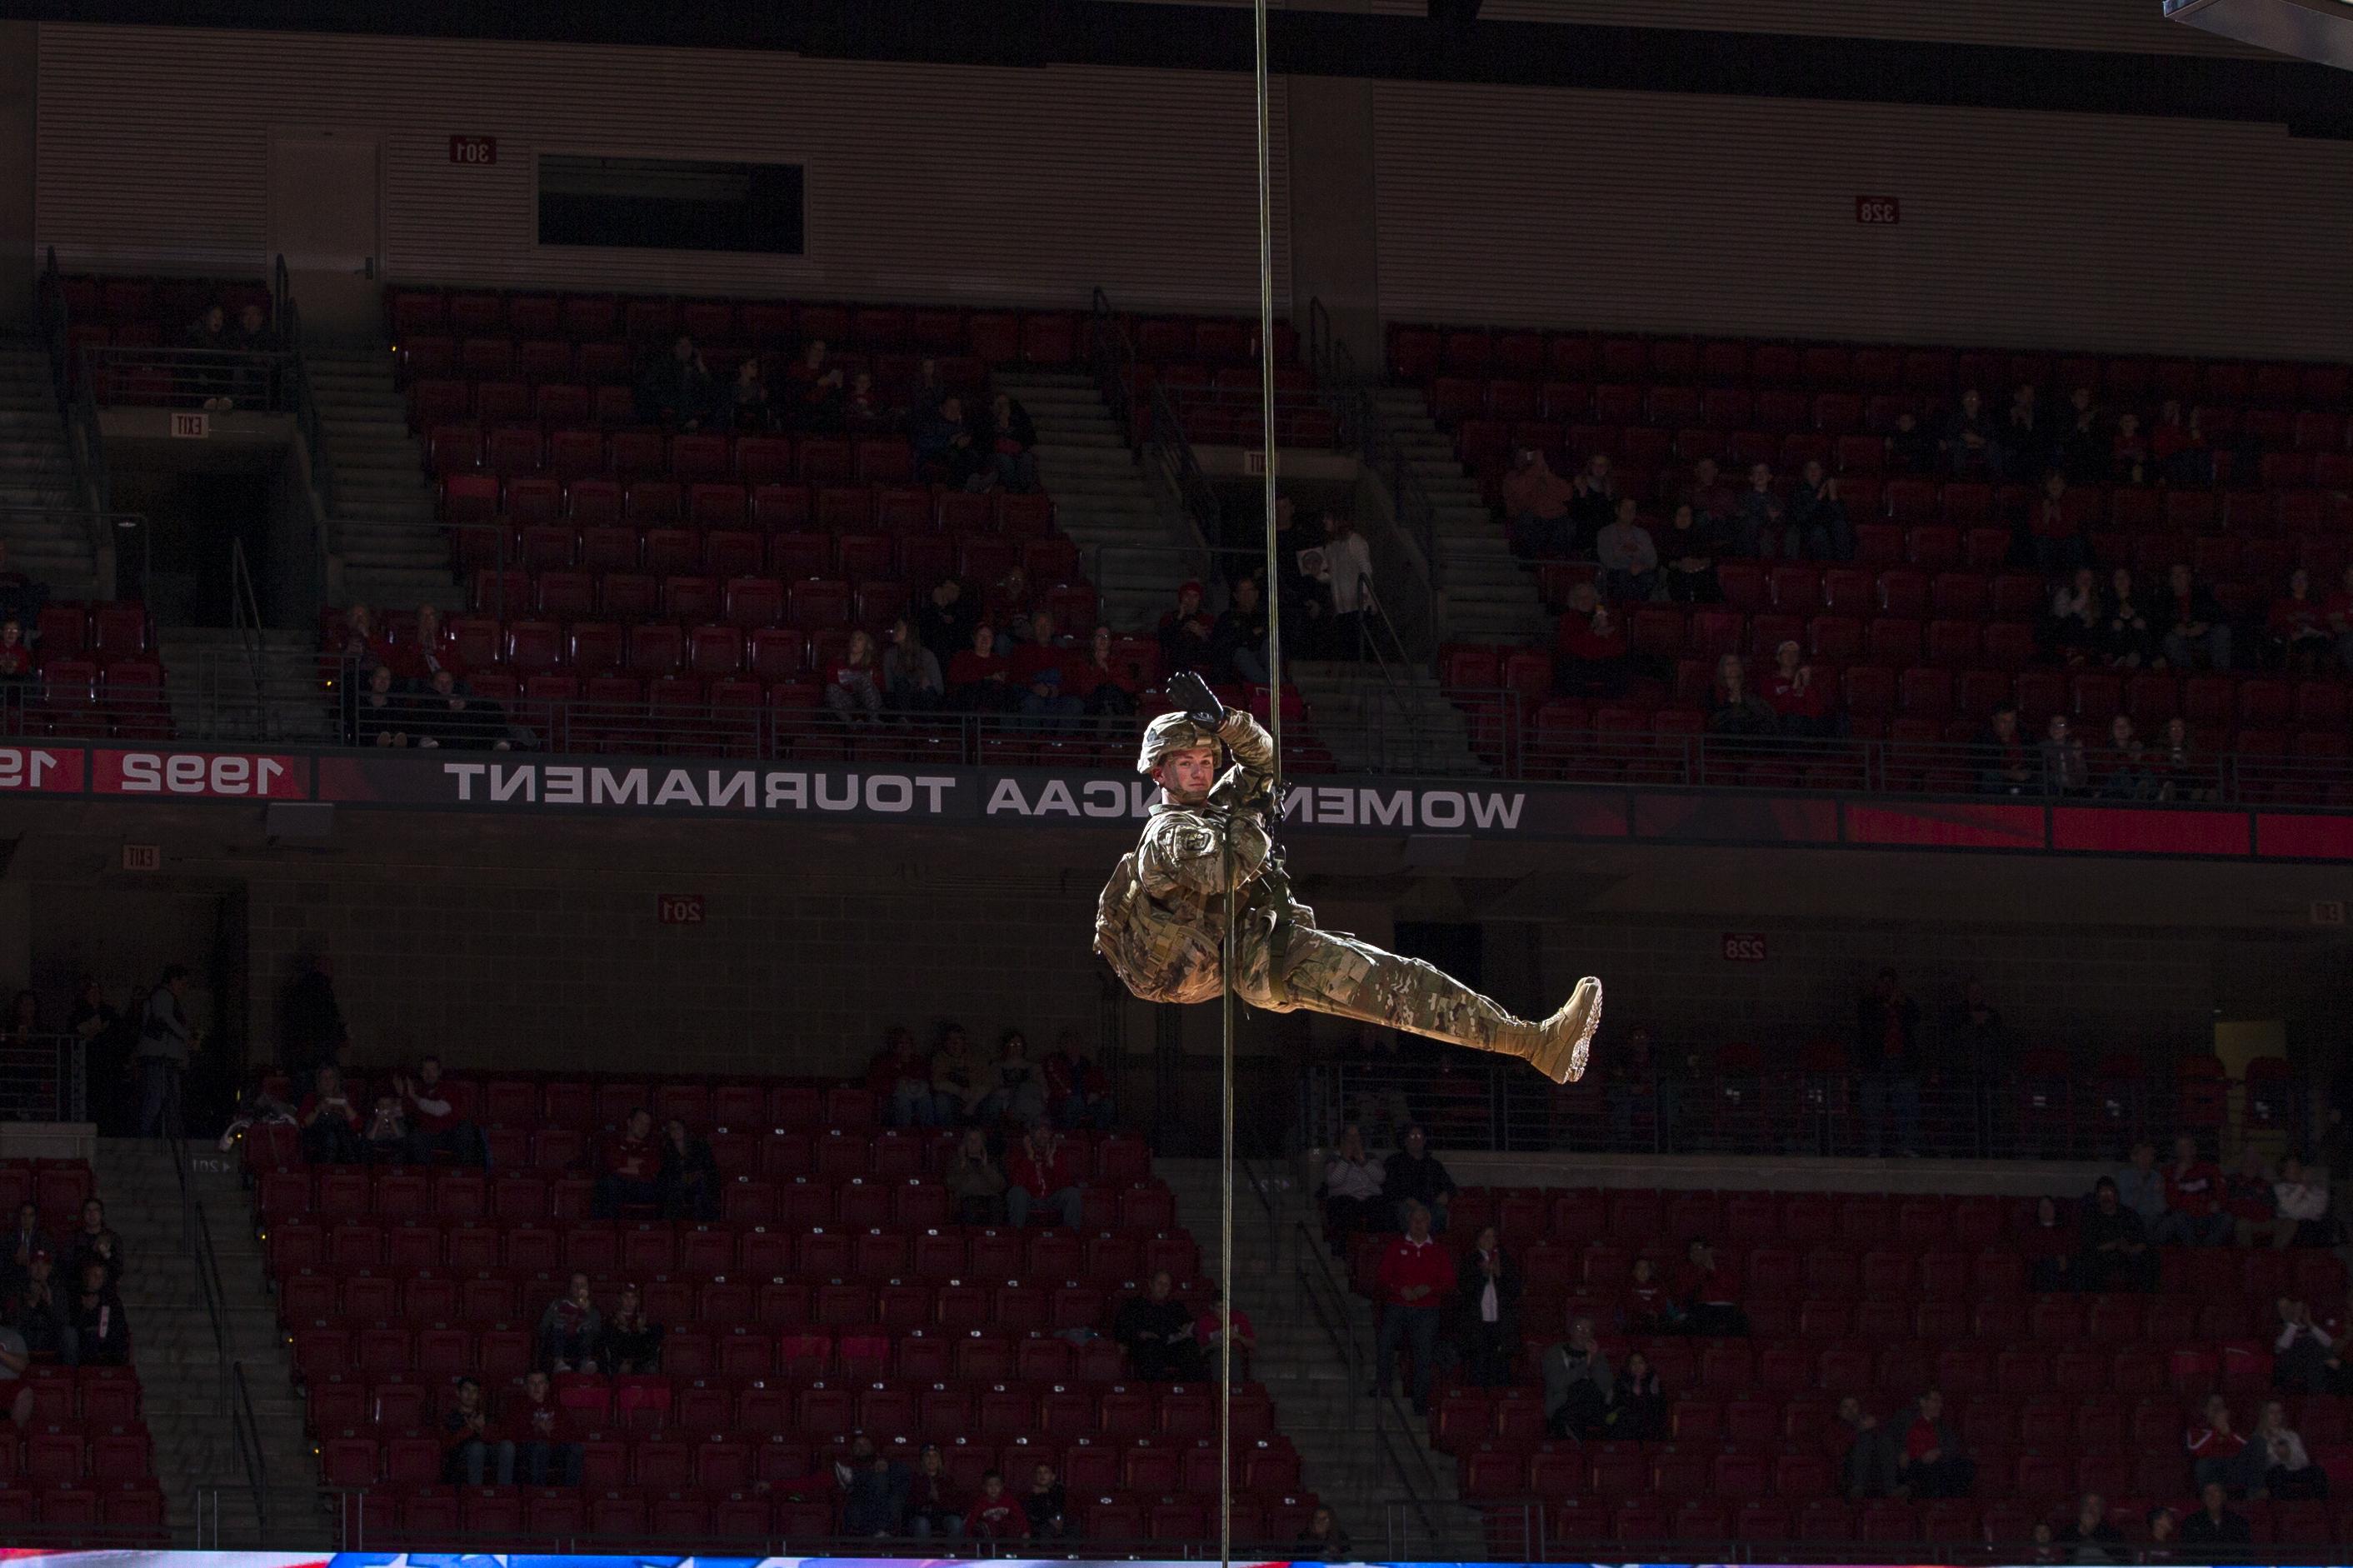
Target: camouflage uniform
(1161, 924)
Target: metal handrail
(194, 376)
(1169, 463)
(1354, 404)
(245, 612)
(249, 1451)
(196, 1235)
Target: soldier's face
(1188, 775)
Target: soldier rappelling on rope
(1162, 920)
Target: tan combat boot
(1564, 1042)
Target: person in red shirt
(1802, 702)
(1040, 1174)
(2220, 1455)
(546, 1452)
(1930, 1463)
(2057, 529)
(1649, 1308)
(2194, 1215)
(1077, 1093)
(979, 680)
(434, 1126)
(632, 1167)
(1592, 655)
(1209, 1330)
(1416, 1279)
(330, 1122)
(994, 1514)
(900, 1078)
(1709, 1292)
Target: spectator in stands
(1010, 436)
(745, 410)
(448, 716)
(1485, 1328)
(330, 1122)
(1969, 439)
(1592, 655)
(1347, 574)
(2049, 1246)
(2193, 1200)
(540, 1436)
(1241, 635)
(389, 1140)
(900, 1076)
(2180, 775)
(470, 1454)
(873, 1489)
(2091, 1535)
(1040, 1174)
(1818, 526)
(945, 621)
(853, 685)
(571, 1329)
(980, 679)
(816, 385)
(2220, 1453)
(98, 1334)
(1867, 1465)
(2301, 1350)
(1187, 634)
(688, 1174)
(16, 1357)
(2140, 1185)
(95, 1243)
(1760, 515)
(2248, 1200)
(1044, 1507)
(1592, 502)
(1708, 1293)
(39, 1311)
(1912, 447)
(15, 668)
(2126, 641)
(2055, 529)
(2305, 1201)
(2022, 438)
(2130, 455)
(1930, 1462)
(2116, 1255)
(437, 1127)
(1324, 1540)
(945, 446)
(959, 1084)
(2289, 1475)
(1886, 1057)
(2195, 631)
(2124, 772)
(994, 1516)
(1629, 556)
(1650, 1307)
(384, 718)
(166, 1041)
(1414, 1175)
(2164, 1529)
(1106, 684)
(1077, 1093)
(2178, 447)
(1577, 1383)
(2298, 625)
(974, 1181)
(1044, 703)
(1352, 1192)
(2086, 449)
(911, 672)
(1690, 550)
(1636, 1409)
(2005, 764)
(1737, 710)
(1416, 1278)
(934, 1507)
(1711, 497)
(677, 389)
(1535, 503)
(1800, 704)
(2216, 1523)
(629, 1344)
(2065, 769)
(209, 381)
(1216, 1321)
(631, 1176)
(1156, 1331)
(862, 410)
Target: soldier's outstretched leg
(1300, 968)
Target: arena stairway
(180, 1368)
(385, 530)
(1400, 722)
(211, 685)
(1134, 554)
(36, 472)
(1485, 594)
(1318, 1403)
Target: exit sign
(142, 858)
(475, 152)
(191, 426)
(678, 908)
(1878, 209)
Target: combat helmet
(1172, 732)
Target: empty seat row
(519, 451)
(772, 506)
(1420, 353)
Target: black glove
(1190, 692)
